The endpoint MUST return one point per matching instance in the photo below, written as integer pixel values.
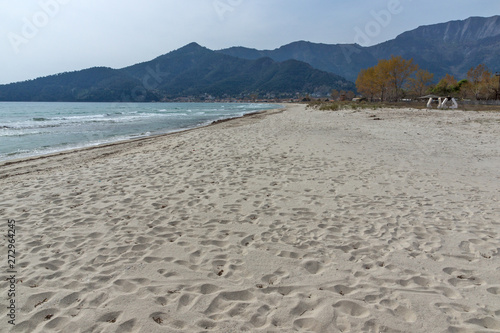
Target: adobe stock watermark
(33, 25)
(222, 7)
(381, 19)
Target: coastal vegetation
(397, 78)
(386, 80)
(330, 105)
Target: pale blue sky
(43, 37)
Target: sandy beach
(292, 220)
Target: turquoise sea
(30, 129)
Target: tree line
(397, 78)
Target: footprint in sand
(41, 316)
(70, 299)
(110, 317)
(288, 254)
(486, 322)
(227, 300)
(127, 327)
(124, 286)
(207, 289)
(313, 267)
(274, 278)
(161, 301)
(307, 325)
(352, 309)
(159, 317)
(405, 314)
(36, 300)
(494, 290)
(343, 290)
(185, 301)
(207, 324)
(247, 240)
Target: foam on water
(29, 129)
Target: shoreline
(138, 139)
(303, 221)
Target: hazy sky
(43, 37)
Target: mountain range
(294, 69)
(191, 71)
(447, 48)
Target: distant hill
(347, 59)
(446, 48)
(193, 70)
(93, 84)
(189, 71)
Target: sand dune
(289, 221)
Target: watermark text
(31, 26)
(11, 271)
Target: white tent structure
(443, 102)
(446, 105)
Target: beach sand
(293, 220)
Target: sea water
(31, 129)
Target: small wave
(20, 133)
(40, 119)
(72, 121)
(90, 117)
(166, 113)
(25, 126)
(17, 152)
